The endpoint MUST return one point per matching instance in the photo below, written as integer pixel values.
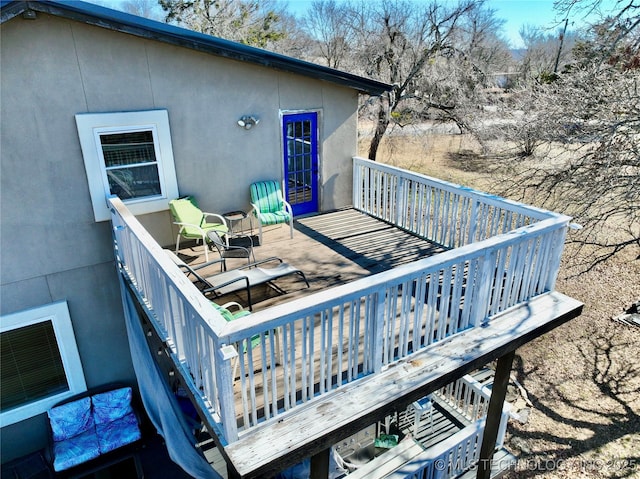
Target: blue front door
(300, 134)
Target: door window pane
(301, 161)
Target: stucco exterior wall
(52, 248)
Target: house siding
(52, 248)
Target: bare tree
(143, 8)
(545, 52)
(328, 23)
(477, 70)
(252, 22)
(480, 40)
(515, 127)
(296, 42)
(619, 22)
(403, 43)
(589, 120)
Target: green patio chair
(194, 222)
(269, 206)
(239, 312)
(227, 314)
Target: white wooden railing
(339, 335)
(470, 399)
(445, 460)
(448, 458)
(448, 214)
(182, 317)
(454, 455)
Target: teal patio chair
(193, 222)
(269, 206)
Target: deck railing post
(473, 222)
(398, 210)
(557, 239)
(482, 288)
(357, 192)
(378, 330)
(224, 379)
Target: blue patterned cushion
(111, 405)
(70, 419)
(75, 450)
(117, 433)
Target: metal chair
(236, 246)
(243, 278)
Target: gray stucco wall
(52, 249)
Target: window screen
(30, 364)
(131, 164)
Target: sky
(538, 13)
(517, 13)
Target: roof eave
(145, 28)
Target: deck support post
(320, 465)
(494, 414)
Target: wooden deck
(428, 318)
(309, 428)
(444, 424)
(331, 249)
(337, 248)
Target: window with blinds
(128, 154)
(131, 164)
(39, 361)
(30, 365)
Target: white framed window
(128, 154)
(40, 364)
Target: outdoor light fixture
(248, 122)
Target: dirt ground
(577, 388)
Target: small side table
(235, 219)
